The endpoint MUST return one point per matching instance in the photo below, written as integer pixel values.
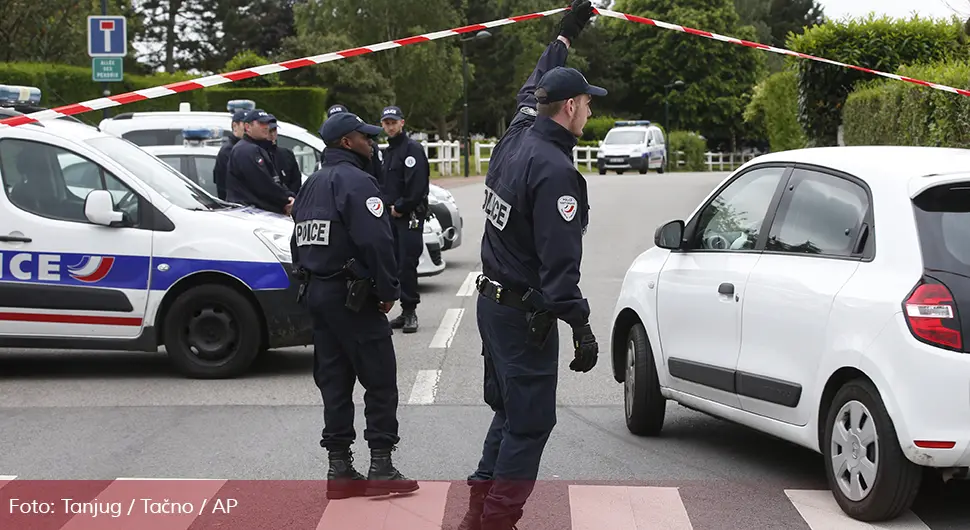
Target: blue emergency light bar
(237, 104)
(200, 133)
(632, 123)
(22, 95)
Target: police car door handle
(726, 289)
(15, 239)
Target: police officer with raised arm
(407, 179)
(374, 164)
(253, 178)
(222, 159)
(536, 215)
(342, 240)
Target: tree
(719, 76)
(181, 33)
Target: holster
(540, 324)
(303, 276)
(358, 292)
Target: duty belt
(503, 295)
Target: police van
(105, 247)
(196, 160)
(148, 129)
(633, 145)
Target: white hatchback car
(820, 296)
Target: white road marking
(160, 479)
(596, 507)
(447, 329)
(425, 387)
(7, 478)
(468, 286)
(820, 511)
(421, 510)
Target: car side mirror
(99, 209)
(670, 235)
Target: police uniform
(407, 179)
(536, 211)
(222, 159)
(342, 234)
(374, 164)
(253, 178)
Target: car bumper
(927, 393)
(448, 216)
(622, 162)
(287, 322)
(431, 263)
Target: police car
(166, 128)
(196, 159)
(103, 246)
(633, 145)
(821, 296)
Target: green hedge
(774, 108)
(63, 85)
(693, 145)
(897, 113)
(882, 44)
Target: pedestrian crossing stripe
(181, 504)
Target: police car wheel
(870, 477)
(644, 406)
(212, 331)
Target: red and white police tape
(257, 71)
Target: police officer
(253, 178)
(222, 159)
(536, 214)
(342, 237)
(407, 175)
(374, 163)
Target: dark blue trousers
(520, 386)
(348, 347)
(410, 245)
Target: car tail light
(932, 315)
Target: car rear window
(943, 221)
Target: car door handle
(726, 289)
(15, 239)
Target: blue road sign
(107, 36)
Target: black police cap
(334, 109)
(343, 123)
(562, 83)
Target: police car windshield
(624, 138)
(179, 190)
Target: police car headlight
(278, 243)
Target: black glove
(575, 20)
(586, 349)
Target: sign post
(107, 46)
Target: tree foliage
(718, 76)
(881, 44)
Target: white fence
(446, 158)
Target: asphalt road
(100, 416)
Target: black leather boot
(410, 321)
(397, 322)
(383, 478)
(343, 481)
(476, 505)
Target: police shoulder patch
(410, 161)
(375, 206)
(567, 207)
(528, 110)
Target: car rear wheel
(870, 477)
(211, 332)
(644, 406)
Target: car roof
(877, 164)
(175, 116)
(180, 149)
(59, 128)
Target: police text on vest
(496, 209)
(313, 232)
